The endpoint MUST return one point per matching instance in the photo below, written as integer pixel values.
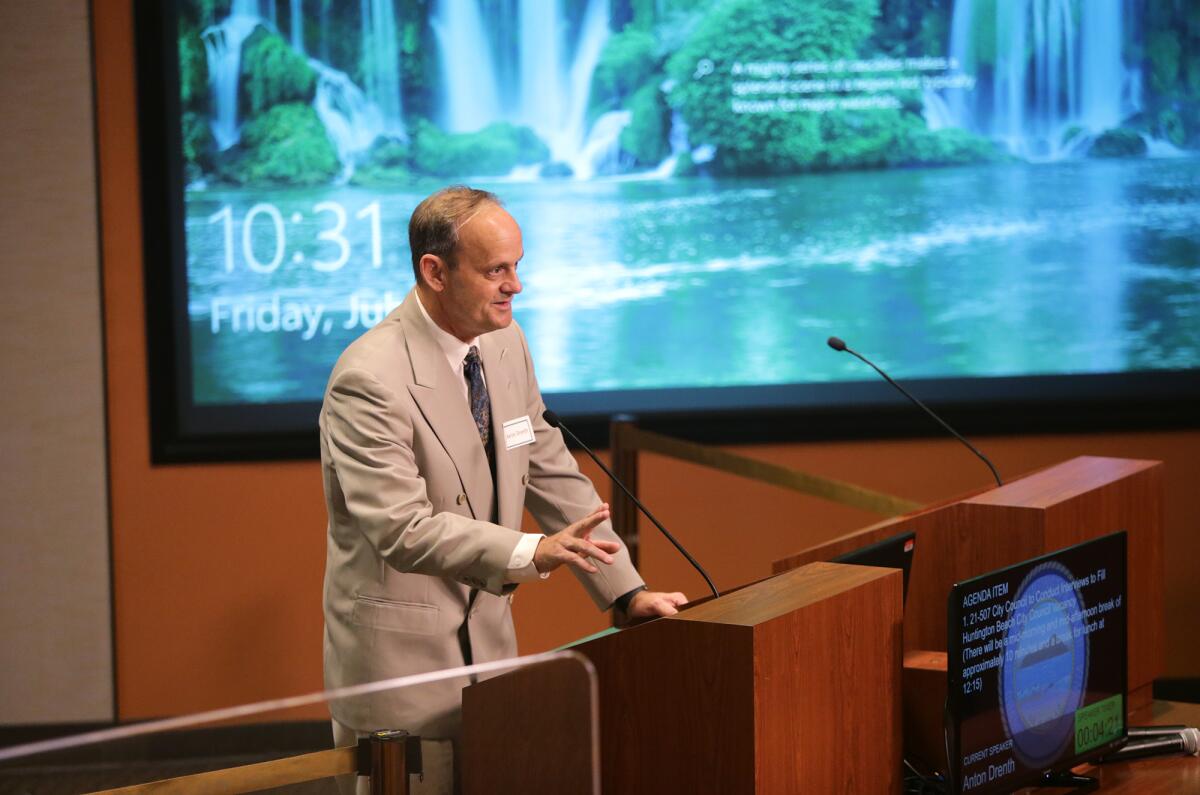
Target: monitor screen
(890, 553)
(1037, 666)
(994, 200)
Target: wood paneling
(548, 709)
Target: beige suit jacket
(410, 497)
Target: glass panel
(525, 724)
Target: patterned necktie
(477, 395)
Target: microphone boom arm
(553, 420)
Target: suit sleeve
(367, 434)
(559, 494)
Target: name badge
(518, 432)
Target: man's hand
(648, 604)
(572, 545)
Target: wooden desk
(1168, 775)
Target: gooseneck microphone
(838, 345)
(553, 421)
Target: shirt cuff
(520, 565)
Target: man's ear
(433, 271)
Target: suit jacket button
(462, 499)
(525, 479)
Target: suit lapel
(445, 409)
(506, 405)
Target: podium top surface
(1061, 482)
(784, 593)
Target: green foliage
(629, 61)
(210, 11)
(646, 135)
(193, 71)
(1163, 51)
(645, 14)
(1172, 71)
(386, 164)
(389, 152)
(272, 73)
(685, 166)
(493, 151)
(199, 149)
(916, 145)
(203, 13)
(912, 27)
(372, 176)
(1171, 127)
(856, 139)
(285, 145)
(1118, 142)
(749, 31)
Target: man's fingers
(586, 549)
(588, 523)
(607, 546)
(591, 550)
(646, 604)
(579, 562)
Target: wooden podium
(788, 685)
(1072, 502)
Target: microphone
(1185, 741)
(838, 345)
(1152, 731)
(553, 421)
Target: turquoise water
(1074, 267)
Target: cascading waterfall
(678, 139)
(1052, 73)
(553, 76)
(555, 79)
(223, 50)
(592, 37)
(962, 56)
(554, 69)
(471, 99)
(351, 121)
(1103, 74)
(540, 60)
(296, 21)
(381, 56)
(602, 150)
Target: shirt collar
(455, 349)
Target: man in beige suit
(432, 443)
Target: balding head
(435, 224)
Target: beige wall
(55, 652)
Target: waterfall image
(980, 188)
(1061, 73)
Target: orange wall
(217, 569)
